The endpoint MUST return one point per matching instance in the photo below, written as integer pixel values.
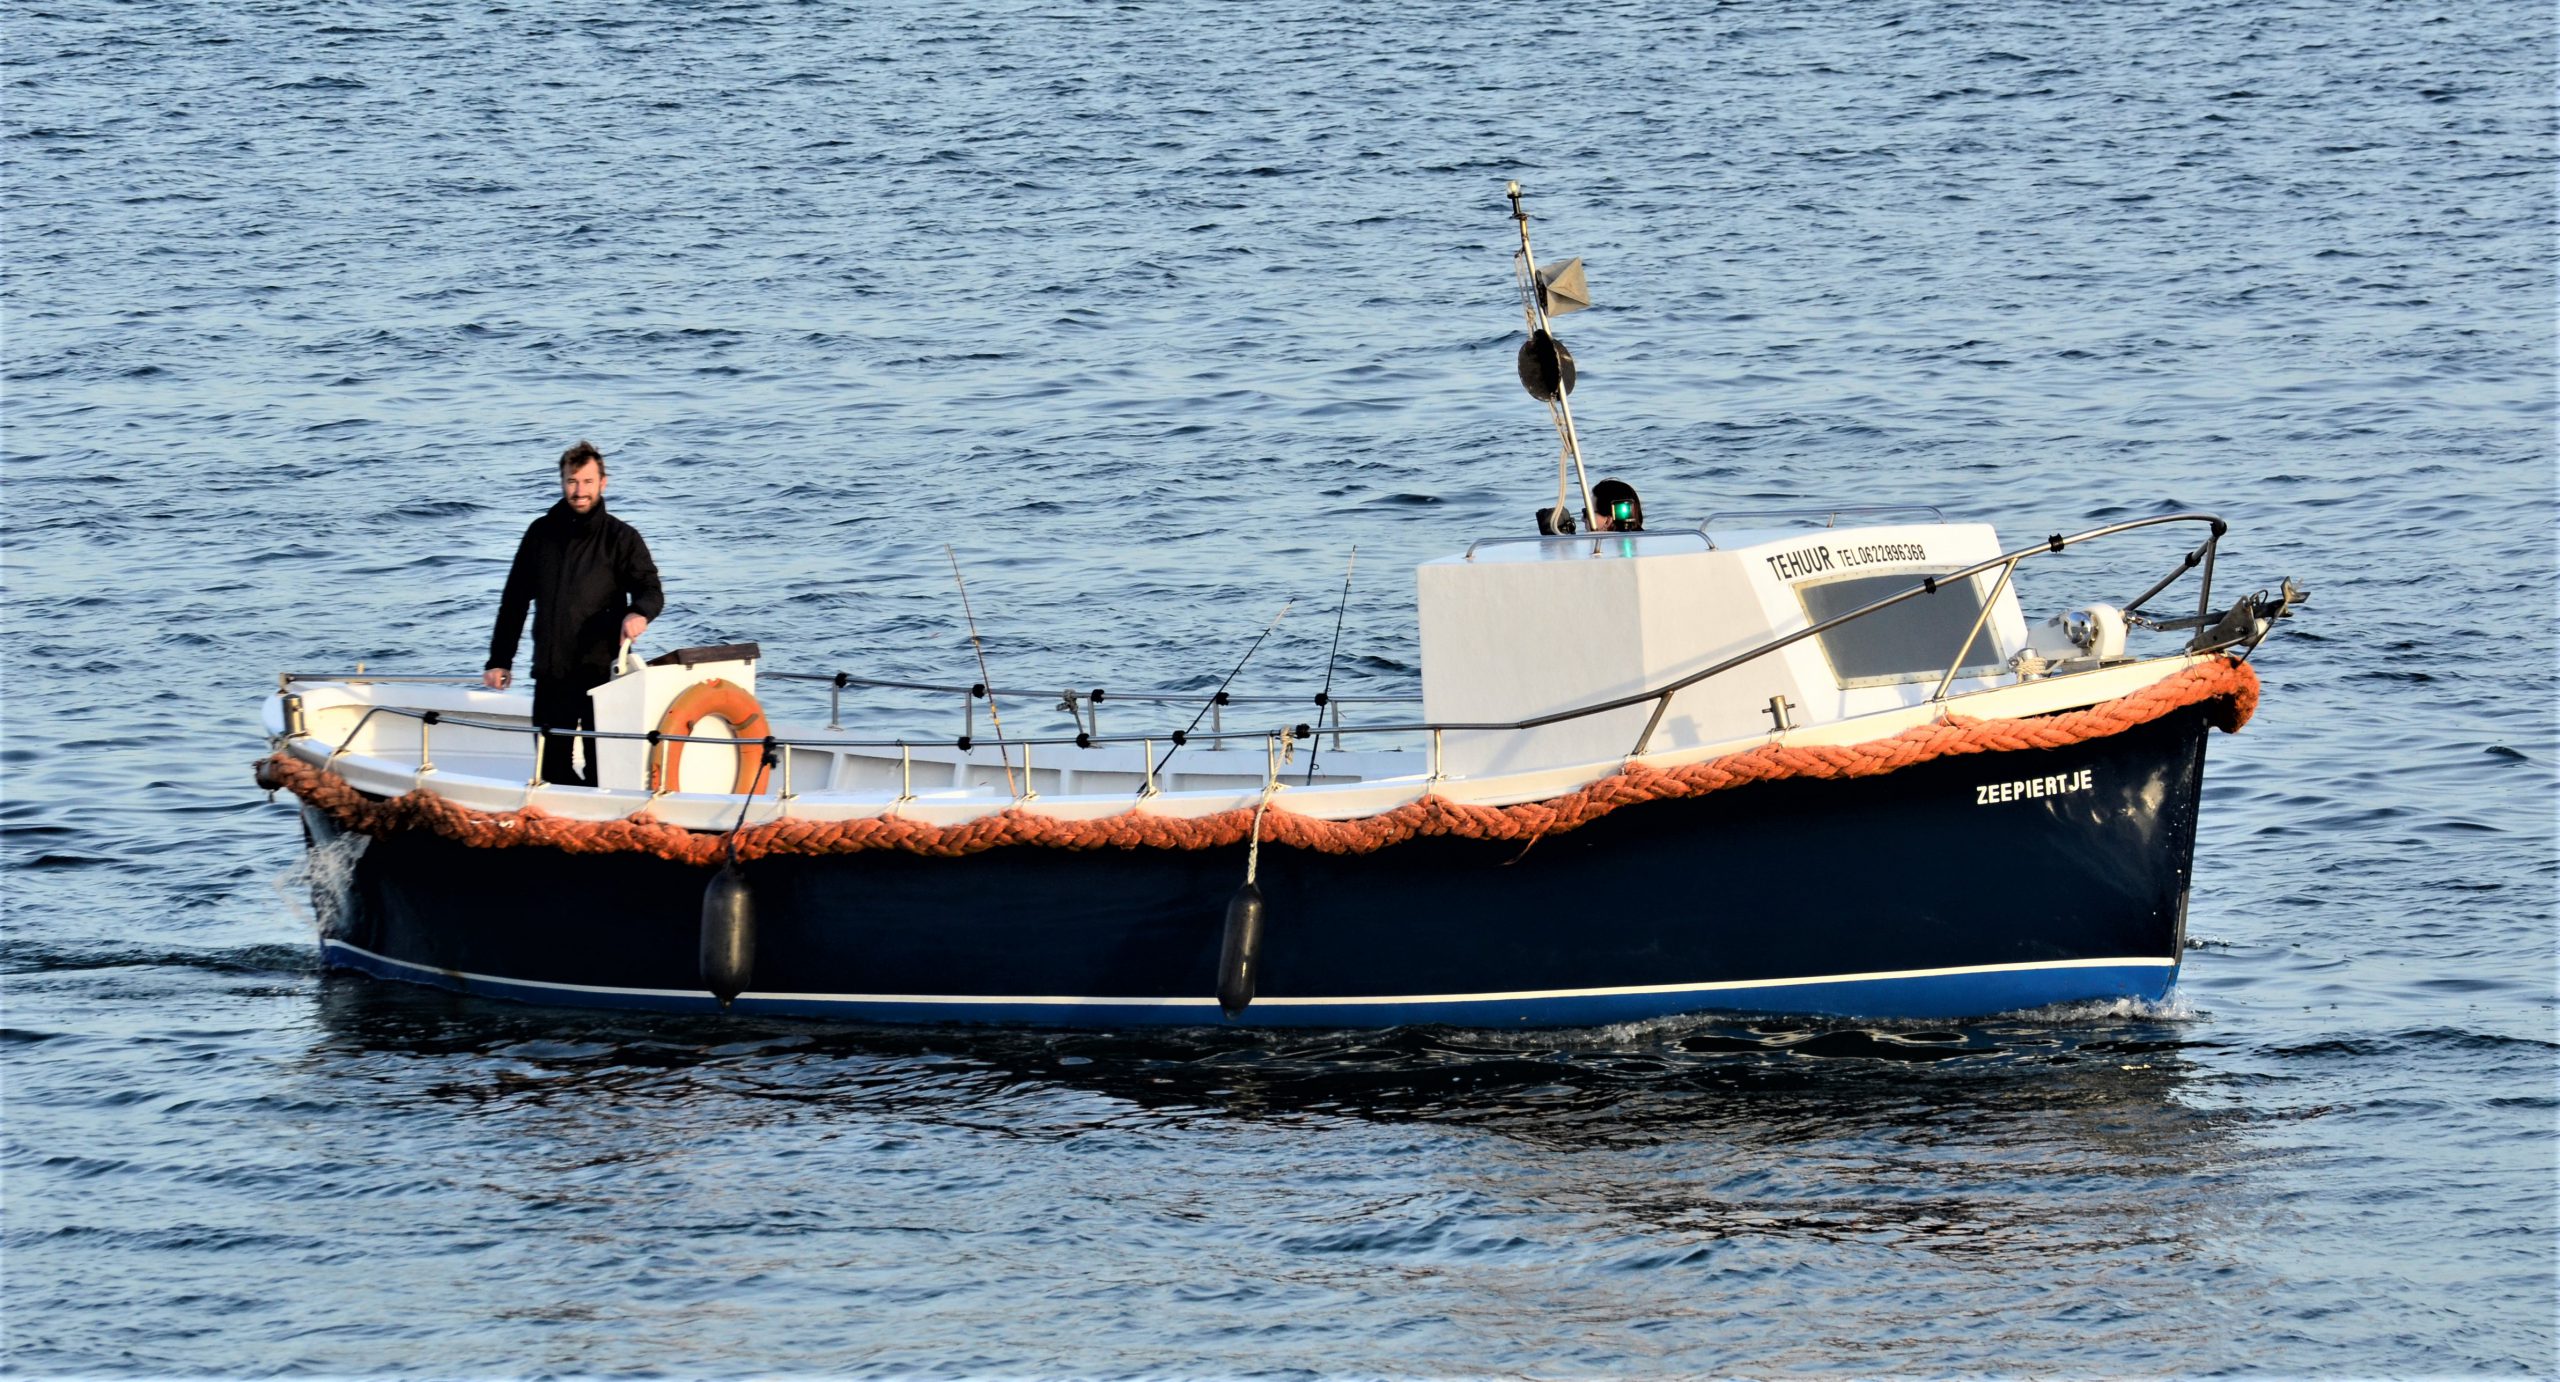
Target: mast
(1546, 367)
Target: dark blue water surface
(1153, 312)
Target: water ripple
(1153, 314)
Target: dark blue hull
(1929, 893)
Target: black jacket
(581, 572)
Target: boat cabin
(1518, 628)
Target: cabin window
(1911, 641)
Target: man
(592, 585)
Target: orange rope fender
(2229, 688)
(712, 699)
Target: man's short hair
(579, 455)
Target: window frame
(1985, 637)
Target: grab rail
(1928, 586)
(1595, 539)
(1830, 515)
(1280, 737)
(979, 689)
(286, 679)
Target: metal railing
(1595, 540)
(2007, 562)
(1276, 743)
(1084, 707)
(1278, 740)
(1829, 514)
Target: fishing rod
(1219, 696)
(985, 683)
(1325, 697)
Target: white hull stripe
(1361, 1000)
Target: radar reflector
(1562, 289)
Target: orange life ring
(712, 700)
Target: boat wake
(318, 886)
(1813, 1035)
(2173, 1006)
(37, 958)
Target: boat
(1813, 763)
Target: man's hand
(496, 678)
(632, 625)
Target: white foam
(2173, 1006)
(319, 886)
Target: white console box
(634, 703)
(1523, 629)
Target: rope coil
(2230, 687)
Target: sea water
(1153, 312)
